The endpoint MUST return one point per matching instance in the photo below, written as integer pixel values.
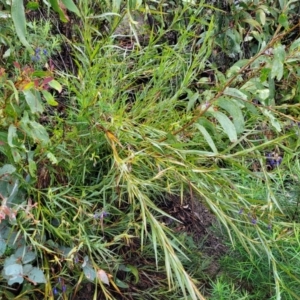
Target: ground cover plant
(149, 150)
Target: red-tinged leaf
(2, 71)
(36, 83)
(47, 80)
(17, 65)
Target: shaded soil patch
(196, 220)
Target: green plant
(17, 264)
(152, 120)
(16, 11)
(222, 290)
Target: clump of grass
(139, 125)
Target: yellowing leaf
(28, 86)
(112, 137)
(103, 276)
(55, 85)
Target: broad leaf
(234, 111)
(12, 134)
(33, 101)
(55, 85)
(89, 272)
(34, 130)
(273, 120)
(295, 45)
(277, 65)
(49, 98)
(13, 270)
(226, 124)
(36, 275)
(235, 93)
(7, 169)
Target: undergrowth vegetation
(117, 118)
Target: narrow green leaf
(273, 120)
(18, 17)
(235, 93)
(69, 4)
(192, 99)
(226, 124)
(282, 4)
(116, 4)
(207, 137)
(253, 23)
(55, 5)
(32, 5)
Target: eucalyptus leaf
(2, 245)
(15, 279)
(7, 169)
(13, 270)
(89, 272)
(26, 255)
(36, 275)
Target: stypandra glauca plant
(175, 130)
